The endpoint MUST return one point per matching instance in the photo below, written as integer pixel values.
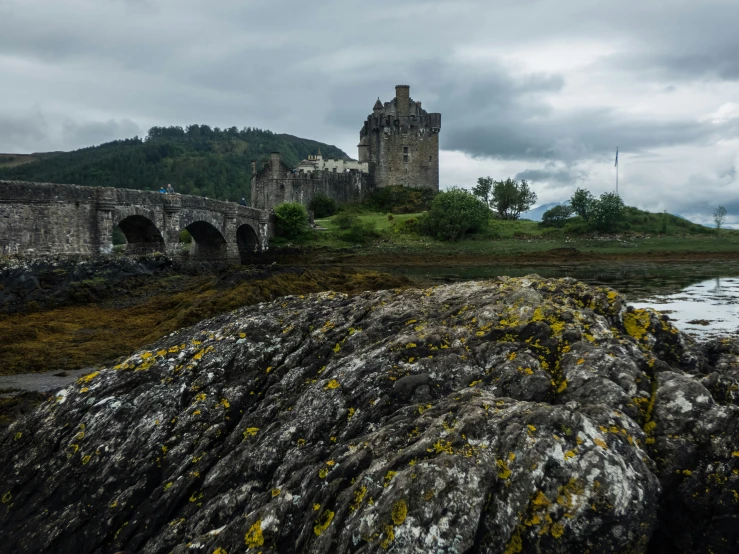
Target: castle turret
(400, 140)
(402, 99)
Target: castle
(398, 146)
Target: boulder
(505, 416)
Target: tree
(510, 198)
(607, 213)
(453, 214)
(719, 217)
(556, 216)
(292, 219)
(322, 206)
(582, 203)
(483, 188)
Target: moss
(37, 341)
(358, 497)
(323, 522)
(254, 537)
(399, 512)
(389, 537)
(637, 323)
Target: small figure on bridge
(163, 190)
(170, 189)
(243, 201)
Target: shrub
(608, 213)
(344, 220)
(185, 237)
(453, 214)
(322, 206)
(360, 232)
(556, 216)
(292, 219)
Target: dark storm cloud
(104, 69)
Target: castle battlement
(398, 146)
(400, 142)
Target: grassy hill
(197, 160)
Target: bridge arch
(209, 242)
(142, 234)
(247, 241)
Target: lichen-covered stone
(514, 415)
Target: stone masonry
(400, 140)
(398, 146)
(47, 219)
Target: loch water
(702, 298)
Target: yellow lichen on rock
(87, 378)
(637, 323)
(254, 535)
(399, 512)
(323, 522)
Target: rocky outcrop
(47, 283)
(514, 415)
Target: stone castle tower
(400, 141)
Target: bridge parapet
(48, 218)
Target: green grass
(524, 237)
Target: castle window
(334, 170)
(430, 157)
(405, 154)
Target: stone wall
(276, 183)
(39, 219)
(400, 140)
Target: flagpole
(616, 169)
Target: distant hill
(197, 160)
(536, 213)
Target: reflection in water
(705, 309)
(702, 297)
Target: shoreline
(339, 257)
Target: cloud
(97, 132)
(540, 90)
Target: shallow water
(701, 297)
(41, 382)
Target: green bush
(400, 200)
(556, 216)
(344, 220)
(608, 213)
(360, 232)
(453, 214)
(292, 219)
(185, 237)
(322, 206)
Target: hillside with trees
(197, 160)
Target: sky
(536, 90)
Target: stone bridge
(44, 218)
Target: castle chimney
(274, 162)
(403, 99)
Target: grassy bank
(85, 335)
(651, 235)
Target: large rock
(514, 415)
